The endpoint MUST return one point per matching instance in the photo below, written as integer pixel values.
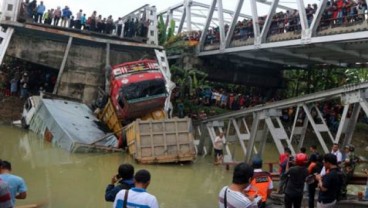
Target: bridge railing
(10, 10)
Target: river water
(59, 179)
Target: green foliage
(300, 82)
(164, 33)
(161, 30)
(188, 79)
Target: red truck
(137, 88)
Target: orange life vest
(259, 185)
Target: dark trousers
(311, 194)
(293, 201)
(56, 21)
(38, 18)
(120, 27)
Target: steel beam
(182, 20)
(224, 10)
(169, 17)
(133, 12)
(220, 14)
(253, 134)
(303, 56)
(267, 24)
(317, 18)
(303, 18)
(315, 128)
(346, 51)
(206, 25)
(234, 21)
(352, 124)
(203, 16)
(6, 37)
(63, 63)
(256, 31)
(188, 14)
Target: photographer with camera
(234, 194)
(123, 180)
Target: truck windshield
(143, 90)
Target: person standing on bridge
(65, 17)
(218, 145)
(39, 12)
(77, 22)
(57, 16)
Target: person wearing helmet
(295, 178)
(261, 183)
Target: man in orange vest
(261, 183)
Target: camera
(118, 176)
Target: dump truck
(135, 107)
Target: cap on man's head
(257, 162)
(142, 176)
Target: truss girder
(352, 97)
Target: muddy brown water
(59, 179)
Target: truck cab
(137, 88)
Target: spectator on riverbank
(137, 196)
(24, 82)
(329, 184)
(284, 161)
(314, 167)
(5, 198)
(295, 179)
(18, 188)
(14, 86)
(261, 183)
(123, 180)
(233, 194)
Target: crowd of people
(337, 13)
(19, 79)
(130, 27)
(329, 173)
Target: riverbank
(10, 109)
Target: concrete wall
(84, 69)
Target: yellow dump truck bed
(108, 116)
(160, 141)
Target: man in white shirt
(218, 145)
(335, 151)
(233, 195)
(138, 196)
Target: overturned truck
(135, 106)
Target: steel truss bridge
(251, 127)
(312, 45)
